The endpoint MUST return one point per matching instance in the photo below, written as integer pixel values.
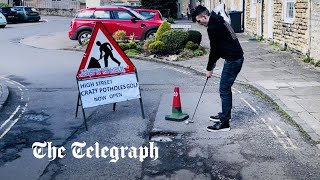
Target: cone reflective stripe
(177, 114)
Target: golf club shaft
(200, 98)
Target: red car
(114, 18)
(150, 14)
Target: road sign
(106, 75)
(107, 90)
(180, 26)
(103, 56)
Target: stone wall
(57, 12)
(315, 30)
(295, 35)
(250, 24)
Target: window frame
(287, 19)
(253, 9)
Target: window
(122, 15)
(253, 9)
(102, 14)
(85, 14)
(288, 11)
(148, 15)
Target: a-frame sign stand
(112, 83)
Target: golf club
(191, 121)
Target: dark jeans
(229, 74)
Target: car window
(18, 8)
(5, 9)
(28, 9)
(102, 14)
(122, 15)
(147, 15)
(85, 14)
(136, 14)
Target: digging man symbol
(107, 49)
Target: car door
(122, 20)
(20, 13)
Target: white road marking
(9, 82)
(14, 122)
(237, 90)
(8, 129)
(275, 134)
(15, 82)
(270, 119)
(21, 88)
(253, 109)
(12, 115)
(176, 69)
(233, 92)
(286, 137)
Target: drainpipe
(262, 16)
(309, 44)
(243, 14)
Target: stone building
(294, 23)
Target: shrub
(194, 36)
(198, 52)
(4, 4)
(132, 52)
(202, 49)
(165, 26)
(170, 20)
(192, 46)
(317, 64)
(307, 59)
(146, 44)
(132, 45)
(140, 45)
(174, 41)
(124, 46)
(119, 35)
(156, 47)
(186, 54)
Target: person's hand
(209, 73)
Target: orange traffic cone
(177, 114)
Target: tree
(168, 8)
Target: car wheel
(84, 36)
(151, 34)
(2, 26)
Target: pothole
(37, 117)
(161, 136)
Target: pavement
(281, 77)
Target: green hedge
(156, 47)
(191, 45)
(174, 41)
(165, 26)
(132, 52)
(194, 36)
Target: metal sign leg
(114, 107)
(85, 119)
(77, 108)
(142, 110)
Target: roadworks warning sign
(106, 75)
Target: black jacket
(223, 41)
